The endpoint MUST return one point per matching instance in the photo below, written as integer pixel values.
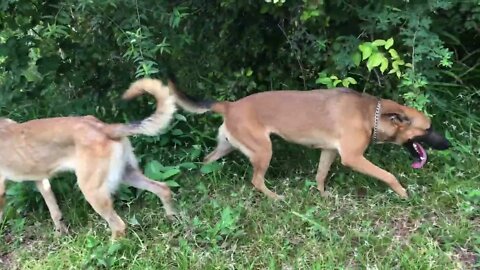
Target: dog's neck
(376, 121)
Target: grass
(226, 224)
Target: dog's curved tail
(193, 105)
(154, 124)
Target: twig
(297, 56)
(378, 78)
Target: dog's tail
(194, 105)
(157, 121)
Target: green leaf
(153, 170)
(375, 60)
(384, 65)
(378, 42)
(350, 80)
(366, 49)
(389, 43)
(336, 82)
(172, 183)
(210, 167)
(169, 173)
(324, 80)
(133, 221)
(180, 117)
(357, 58)
(177, 132)
(393, 54)
(188, 165)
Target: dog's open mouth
(419, 154)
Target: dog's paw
(403, 193)
(173, 217)
(61, 229)
(325, 194)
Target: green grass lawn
(226, 224)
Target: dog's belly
(24, 172)
(321, 141)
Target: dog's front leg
(47, 194)
(361, 164)
(326, 159)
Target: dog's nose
(436, 140)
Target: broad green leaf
(357, 58)
(389, 43)
(133, 221)
(395, 65)
(169, 173)
(177, 132)
(172, 183)
(188, 165)
(154, 169)
(336, 82)
(324, 80)
(350, 80)
(393, 54)
(210, 167)
(180, 117)
(378, 42)
(375, 60)
(384, 65)
(366, 49)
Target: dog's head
(408, 127)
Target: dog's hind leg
(326, 159)
(135, 178)
(255, 143)
(47, 194)
(92, 180)
(223, 146)
(2, 195)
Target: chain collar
(376, 121)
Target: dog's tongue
(422, 154)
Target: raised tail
(154, 124)
(194, 105)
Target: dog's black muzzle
(431, 138)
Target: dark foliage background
(76, 57)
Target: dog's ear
(397, 118)
(394, 113)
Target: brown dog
(99, 153)
(337, 120)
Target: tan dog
(339, 121)
(99, 153)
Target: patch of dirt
(468, 258)
(7, 261)
(404, 227)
